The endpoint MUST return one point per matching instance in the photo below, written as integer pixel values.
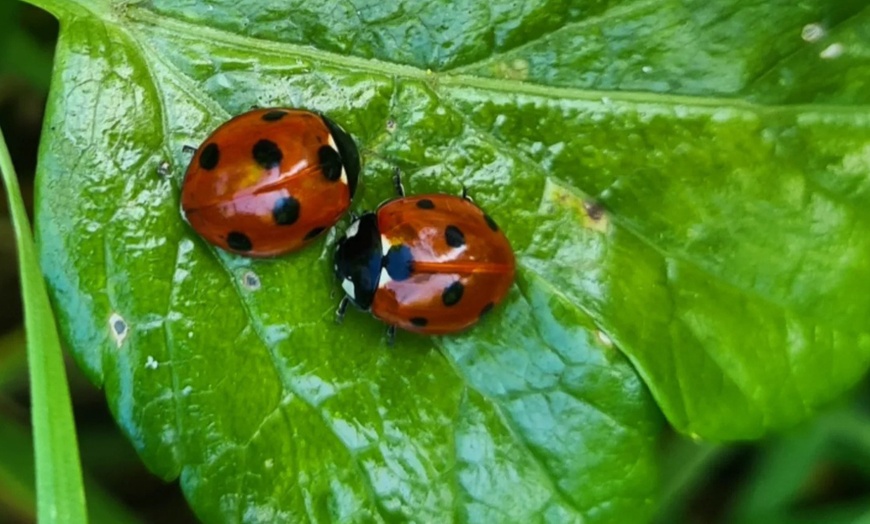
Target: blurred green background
(816, 473)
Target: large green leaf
(685, 183)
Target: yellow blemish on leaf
(590, 213)
(517, 69)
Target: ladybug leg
(342, 309)
(397, 182)
(188, 149)
(465, 193)
(391, 335)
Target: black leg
(188, 149)
(391, 335)
(342, 309)
(397, 181)
(465, 193)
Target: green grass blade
(16, 481)
(59, 490)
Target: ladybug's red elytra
(269, 181)
(430, 264)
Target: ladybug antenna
(397, 182)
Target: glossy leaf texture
(686, 198)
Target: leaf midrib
(175, 27)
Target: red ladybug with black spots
(269, 181)
(430, 264)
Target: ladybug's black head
(358, 260)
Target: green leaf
(678, 190)
(60, 497)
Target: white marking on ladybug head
(385, 278)
(385, 245)
(347, 286)
(352, 229)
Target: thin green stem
(60, 494)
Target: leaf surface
(678, 190)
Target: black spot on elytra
(239, 241)
(314, 232)
(490, 222)
(330, 163)
(419, 321)
(399, 262)
(267, 153)
(285, 212)
(425, 204)
(209, 156)
(273, 116)
(454, 236)
(452, 294)
(486, 309)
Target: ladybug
(430, 264)
(269, 181)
